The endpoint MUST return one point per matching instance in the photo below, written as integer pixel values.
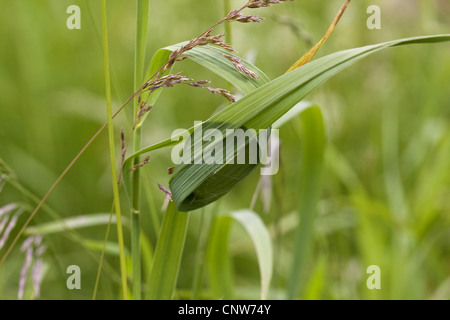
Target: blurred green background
(387, 185)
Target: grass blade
(261, 240)
(72, 223)
(112, 153)
(219, 268)
(169, 249)
(312, 159)
(218, 258)
(141, 43)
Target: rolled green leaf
(232, 165)
(195, 185)
(259, 109)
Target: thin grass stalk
(141, 35)
(228, 36)
(278, 192)
(147, 258)
(168, 253)
(112, 153)
(100, 264)
(155, 219)
(198, 259)
(136, 254)
(313, 133)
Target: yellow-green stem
(112, 153)
(198, 263)
(141, 35)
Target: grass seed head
(166, 191)
(253, 4)
(247, 19)
(240, 66)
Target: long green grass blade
(141, 44)
(110, 248)
(218, 258)
(169, 249)
(261, 240)
(112, 152)
(218, 261)
(312, 161)
(78, 222)
(268, 103)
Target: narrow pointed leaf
(311, 172)
(168, 253)
(218, 258)
(78, 222)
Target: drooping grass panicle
(223, 92)
(166, 191)
(24, 271)
(264, 3)
(238, 64)
(123, 146)
(7, 208)
(141, 164)
(3, 223)
(246, 18)
(206, 38)
(34, 249)
(143, 109)
(172, 80)
(10, 226)
(38, 273)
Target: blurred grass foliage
(387, 177)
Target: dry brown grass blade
(307, 57)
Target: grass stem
(112, 153)
(198, 259)
(141, 41)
